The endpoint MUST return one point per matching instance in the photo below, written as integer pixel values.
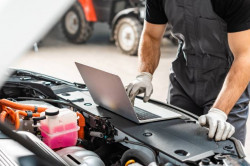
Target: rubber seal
(29, 114)
(87, 104)
(36, 108)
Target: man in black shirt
(210, 76)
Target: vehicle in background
(125, 18)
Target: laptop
(108, 92)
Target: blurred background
(107, 40)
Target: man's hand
(142, 84)
(218, 127)
(149, 56)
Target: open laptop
(108, 92)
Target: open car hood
(22, 24)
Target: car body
(112, 138)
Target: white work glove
(142, 84)
(218, 127)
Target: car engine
(48, 121)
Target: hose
(9, 112)
(2, 107)
(46, 100)
(3, 115)
(14, 116)
(23, 113)
(23, 107)
(81, 124)
(9, 107)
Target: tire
(74, 25)
(127, 35)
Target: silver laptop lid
(107, 91)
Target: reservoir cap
(51, 112)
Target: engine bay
(60, 118)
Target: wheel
(127, 35)
(74, 25)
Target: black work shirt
(236, 13)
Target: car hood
(22, 24)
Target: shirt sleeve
(155, 12)
(237, 15)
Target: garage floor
(56, 57)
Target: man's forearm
(235, 83)
(149, 54)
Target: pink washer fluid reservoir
(59, 129)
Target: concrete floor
(56, 57)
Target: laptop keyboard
(144, 115)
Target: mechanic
(210, 76)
